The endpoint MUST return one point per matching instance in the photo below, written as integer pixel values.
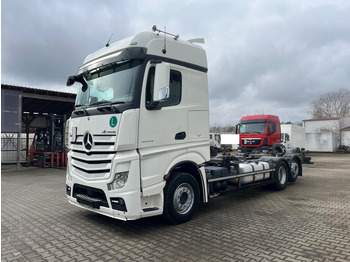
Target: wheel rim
(294, 168)
(282, 175)
(183, 198)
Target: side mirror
(237, 129)
(163, 94)
(70, 80)
(161, 82)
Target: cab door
(275, 132)
(162, 127)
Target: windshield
(250, 128)
(110, 84)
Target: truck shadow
(218, 206)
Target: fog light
(68, 190)
(118, 203)
(119, 181)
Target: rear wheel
(295, 169)
(213, 151)
(281, 175)
(181, 198)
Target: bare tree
(332, 104)
(222, 129)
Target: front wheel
(281, 175)
(181, 198)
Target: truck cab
(258, 132)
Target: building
(23, 110)
(327, 134)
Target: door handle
(180, 136)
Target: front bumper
(119, 205)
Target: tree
(332, 104)
(222, 129)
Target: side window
(174, 92)
(287, 137)
(272, 127)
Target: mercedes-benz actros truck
(139, 134)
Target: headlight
(119, 181)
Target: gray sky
(271, 57)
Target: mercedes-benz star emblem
(88, 142)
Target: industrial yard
(308, 221)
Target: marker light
(74, 134)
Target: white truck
(139, 134)
(293, 135)
(215, 143)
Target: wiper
(110, 106)
(78, 106)
(100, 102)
(80, 110)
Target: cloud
(264, 56)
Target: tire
(181, 198)
(295, 169)
(281, 175)
(278, 149)
(213, 151)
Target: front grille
(96, 163)
(251, 141)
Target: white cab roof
(183, 51)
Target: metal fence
(9, 147)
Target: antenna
(107, 45)
(164, 49)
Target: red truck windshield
(249, 128)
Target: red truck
(259, 133)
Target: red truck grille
(251, 141)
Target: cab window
(272, 127)
(174, 92)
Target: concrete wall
(321, 142)
(320, 126)
(346, 138)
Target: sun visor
(115, 57)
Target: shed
(23, 109)
(337, 129)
